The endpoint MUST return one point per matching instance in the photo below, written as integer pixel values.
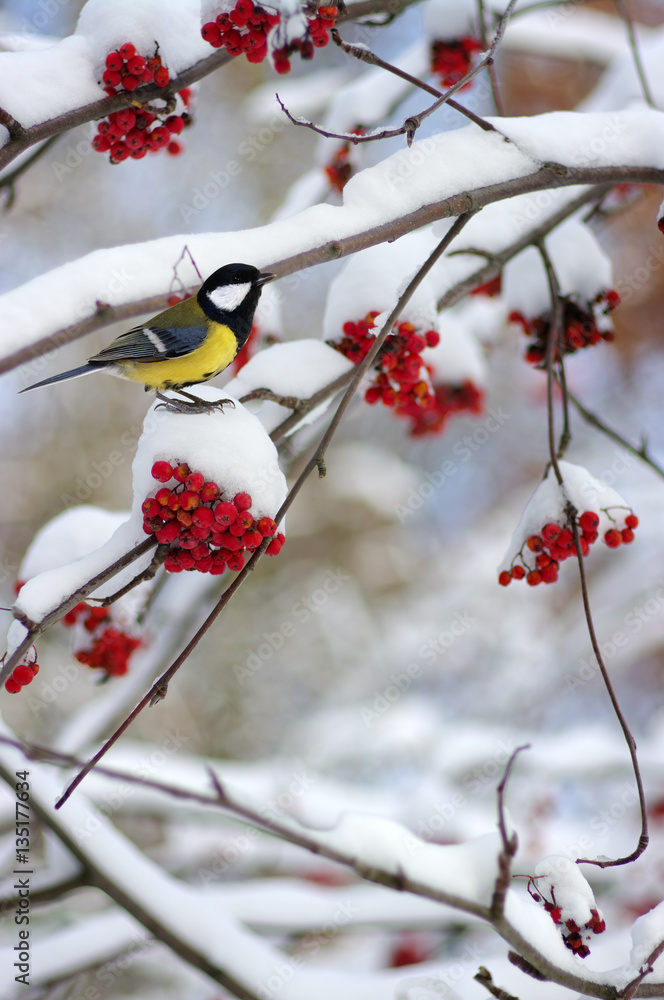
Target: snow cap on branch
(173, 25)
(583, 270)
(231, 449)
(373, 280)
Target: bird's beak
(264, 277)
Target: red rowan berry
(225, 513)
(535, 543)
(588, 521)
(209, 492)
(162, 471)
(189, 500)
(203, 516)
(613, 538)
(162, 77)
(136, 65)
(551, 531)
(114, 61)
(505, 578)
(632, 521)
(518, 572)
(112, 78)
(127, 51)
(242, 501)
(194, 481)
(168, 533)
(533, 578)
(627, 535)
(180, 472)
(266, 526)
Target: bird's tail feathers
(72, 373)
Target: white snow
(70, 535)
(298, 368)
(231, 449)
(560, 877)
(582, 268)
(647, 934)
(173, 25)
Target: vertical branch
(629, 739)
(636, 55)
(491, 67)
(510, 843)
(552, 344)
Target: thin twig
(553, 345)
(158, 689)
(484, 978)
(510, 843)
(9, 180)
(636, 55)
(645, 970)
(445, 97)
(595, 421)
(491, 69)
(629, 739)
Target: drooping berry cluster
(247, 26)
(110, 646)
(134, 132)
(451, 60)
(583, 327)
(203, 531)
(559, 541)
(402, 380)
(24, 673)
(448, 400)
(572, 934)
(490, 288)
(340, 168)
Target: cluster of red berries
(110, 648)
(247, 26)
(400, 382)
(340, 169)
(490, 288)
(581, 327)
(447, 400)
(24, 673)
(127, 70)
(136, 132)
(451, 60)
(571, 932)
(559, 540)
(203, 532)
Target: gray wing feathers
(149, 343)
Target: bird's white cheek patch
(229, 297)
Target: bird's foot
(192, 404)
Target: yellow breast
(214, 354)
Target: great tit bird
(191, 342)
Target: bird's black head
(231, 294)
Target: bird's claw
(193, 404)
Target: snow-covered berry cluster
(402, 379)
(452, 59)
(203, 531)
(105, 644)
(134, 132)
(583, 326)
(555, 543)
(246, 28)
(24, 673)
(448, 400)
(568, 899)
